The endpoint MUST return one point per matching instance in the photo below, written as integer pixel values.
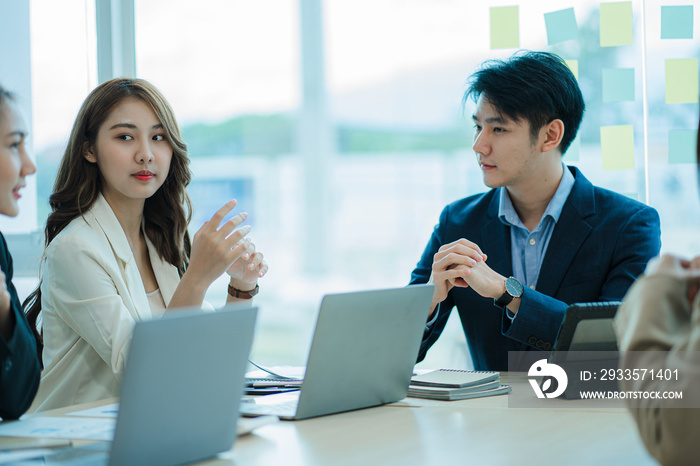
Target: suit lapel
(569, 234)
(102, 216)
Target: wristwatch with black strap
(514, 289)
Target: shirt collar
(508, 215)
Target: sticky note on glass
(618, 84)
(677, 22)
(617, 144)
(504, 27)
(561, 25)
(573, 66)
(682, 144)
(574, 151)
(682, 81)
(615, 24)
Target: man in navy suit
(512, 259)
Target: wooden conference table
(428, 432)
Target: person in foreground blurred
(658, 327)
(19, 361)
(117, 246)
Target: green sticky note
(618, 84)
(573, 66)
(615, 24)
(573, 153)
(677, 22)
(617, 144)
(682, 81)
(561, 25)
(504, 27)
(682, 144)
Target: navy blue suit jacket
(19, 362)
(600, 244)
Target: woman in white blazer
(117, 247)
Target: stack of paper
(264, 382)
(454, 384)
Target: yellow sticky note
(504, 27)
(573, 66)
(617, 144)
(615, 24)
(682, 81)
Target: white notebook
(454, 378)
(439, 391)
(450, 394)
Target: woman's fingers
(262, 268)
(216, 219)
(255, 261)
(231, 225)
(249, 249)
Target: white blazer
(91, 296)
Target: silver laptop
(363, 352)
(182, 386)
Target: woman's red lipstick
(143, 175)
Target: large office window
(673, 49)
(64, 71)
(231, 72)
(381, 82)
(58, 39)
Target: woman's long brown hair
(78, 182)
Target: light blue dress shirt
(529, 247)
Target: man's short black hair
(536, 86)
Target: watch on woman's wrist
(236, 293)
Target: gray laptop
(363, 352)
(180, 393)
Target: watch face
(514, 288)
